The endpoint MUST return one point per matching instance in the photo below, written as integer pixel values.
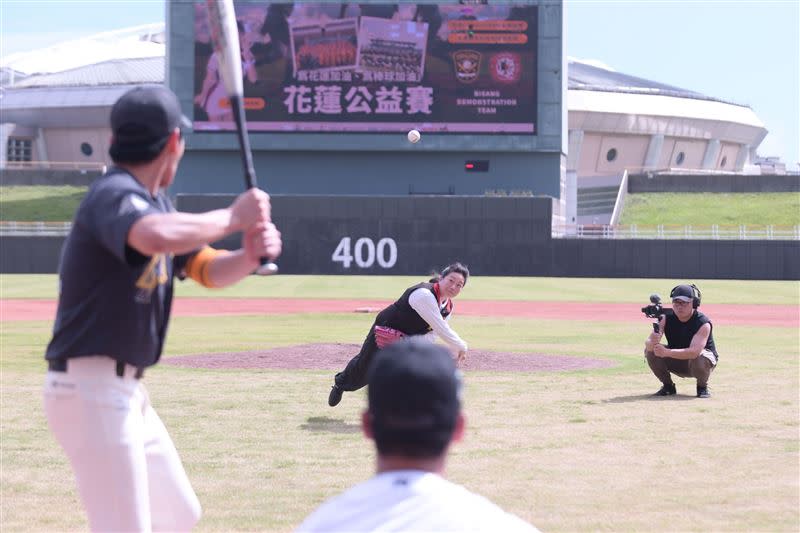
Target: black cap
(142, 121)
(683, 293)
(414, 397)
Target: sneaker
(335, 396)
(666, 390)
(702, 392)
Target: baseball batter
(116, 282)
(423, 309)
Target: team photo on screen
(328, 67)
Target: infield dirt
(336, 356)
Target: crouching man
(690, 351)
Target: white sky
(743, 51)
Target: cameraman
(690, 350)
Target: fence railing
(56, 165)
(34, 229)
(664, 231)
(566, 231)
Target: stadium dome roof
(590, 76)
(111, 72)
(115, 60)
(129, 43)
(118, 57)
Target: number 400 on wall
(366, 252)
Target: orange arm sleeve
(197, 267)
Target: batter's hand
(461, 358)
(250, 208)
(262, 240)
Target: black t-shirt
(402, 317)
(113, 300)
(679, 334)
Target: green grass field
(724, 209)
(45, 203)
(573, 451)
(40, 203)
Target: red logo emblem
(505, 67)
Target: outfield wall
(502, 236)
(29, 254)
(403, 234)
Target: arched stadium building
(55, 105)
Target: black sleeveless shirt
(679, 334)
(402, 317)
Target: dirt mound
(335, 356)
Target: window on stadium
(19, 149)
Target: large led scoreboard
(331, 90)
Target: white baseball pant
(129, 474)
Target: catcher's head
(414, 399)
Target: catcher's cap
(683, 293)
(414, 393)
(141, 122)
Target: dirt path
(334, 357)
(722, 314)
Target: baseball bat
(225, 38)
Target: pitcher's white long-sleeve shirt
(424, 303)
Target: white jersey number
(366, 252)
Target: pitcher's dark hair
(453, 267)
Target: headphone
(696, 295)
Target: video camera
(654, 310)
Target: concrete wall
(35, 176)
(495, 236)
(64, 144)
(372, 173)
(712, 183)
(727, 156)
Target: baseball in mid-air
(414, 136)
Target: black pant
(700, 368)
(354, 376)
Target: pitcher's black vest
(402, 317)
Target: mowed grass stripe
(635, 291)
(262, 449)
(731, 209)
(47, 203)
(619, 341)
(570, 451)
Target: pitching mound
(335, 356)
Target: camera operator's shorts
(708, 354)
